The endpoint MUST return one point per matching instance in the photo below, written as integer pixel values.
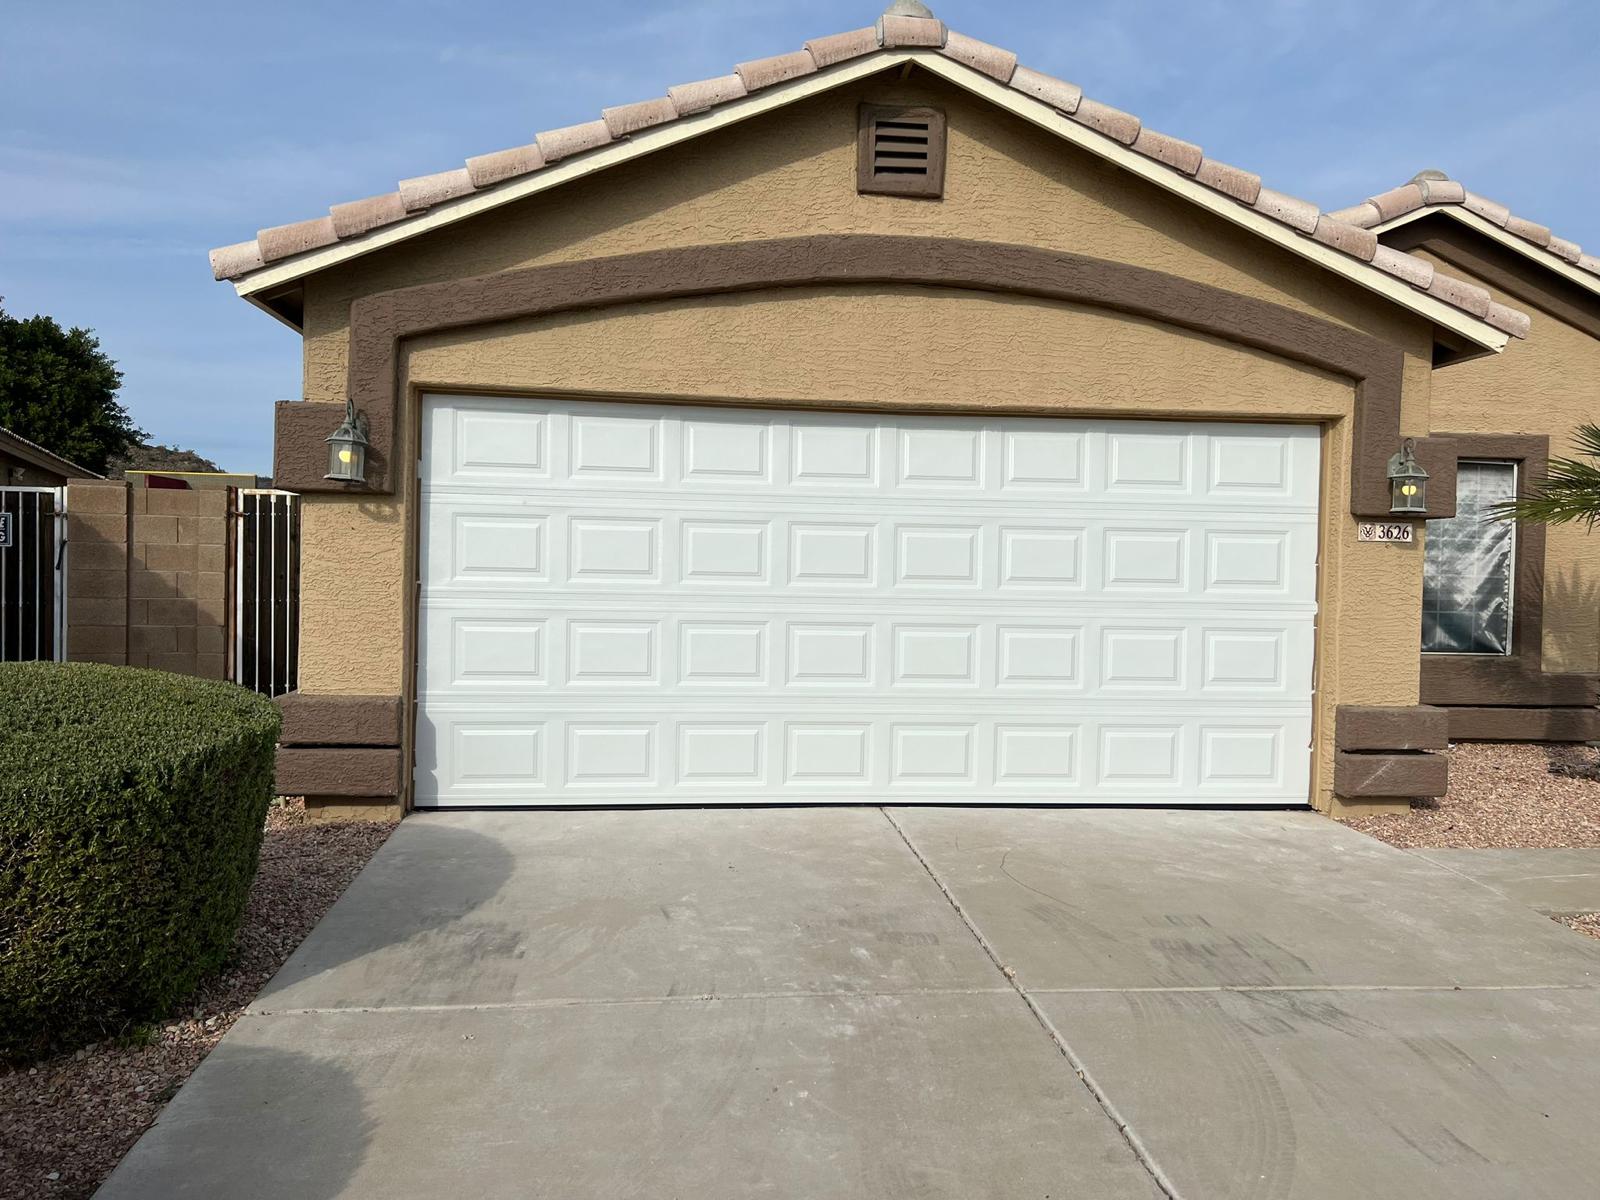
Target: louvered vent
(901, 152)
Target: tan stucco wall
(1548, 384)
(793, 173)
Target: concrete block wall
(147, 582)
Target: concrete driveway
(902, 1003)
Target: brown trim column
(342, 753)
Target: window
(901, 152)
(1469, 565)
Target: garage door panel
(660, 604)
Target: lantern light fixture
(1408, 482)
(347, 447)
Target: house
(28, 464)
(1511, 614)
(882, 421)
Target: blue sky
(134, 137)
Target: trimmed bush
(131, 813)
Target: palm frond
(1570, 493)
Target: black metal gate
(266, 551)
(32, 625)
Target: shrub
(131, 812)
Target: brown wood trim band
(340, 720)
(1391, 776)
(1367, 727)
(378, 323)
(1500, 268)
(1524, 724)
(1472, 680)
(345, 771)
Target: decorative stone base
(349, 808)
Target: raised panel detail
(504, 755)
(725, 551)
(1235, 658)
(935, 654)
(1146, 558)
(611, 753)
(723, 652)
(726, 449)
(1147, 462)
(611, 651)
(497, 651)
(1249, 466)
(496, 443)
(1144, 754)
(832, 554)
(941, 456)
(1257, 561)
(834, 454)
(721, 753)
(1036, 458)
(1041, 557)
(1039, 656)
(940, 753)
(830, 653)
(1036, 754)
(933, 555)
(1141, 658)
(616, 446)
(619, 549)
(497, 548)
(1240, 755)
(832, 753)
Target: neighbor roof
(907, 31)
(19, 447)
(1434, 191)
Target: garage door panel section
(652, 604)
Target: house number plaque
(5, 531)
(1392, 531)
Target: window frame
(1513, 571)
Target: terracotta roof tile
(1418, 272)
(629, 118)
(230, 262)
(764, 72)
(427, 190)
(909, 24)
(1057, 93)
(980, 56)
(895, 30)
(1509, 320)
(1180, 155)
(1435, 189)
(282, 241)
(360, 216)
(1352, 239)
(1112, 122)
(840, 47)
(1243, 186)
(696, 97)
(556, 144)
(486, 170)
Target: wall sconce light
(1408, 482)
(347, 447)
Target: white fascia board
(1036, 112)
(1588, 281)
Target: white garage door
(625, 604)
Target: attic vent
(900, 152)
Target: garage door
(625, 604)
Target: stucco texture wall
(1548, 384)
(793, 173)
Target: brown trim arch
(379, 323)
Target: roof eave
(1463, 325)
(1521, 246)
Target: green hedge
(131, 813)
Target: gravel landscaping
(65, 1122)
(1588, 923)
(1530, 796)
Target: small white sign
(1392, 531)
(5, 531)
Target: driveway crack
(1135, 1143)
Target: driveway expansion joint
(1134, 1142)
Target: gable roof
(1431, 191)
(16, 446)
(907, 32)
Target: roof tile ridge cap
(896, 29)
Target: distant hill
(148, 457)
